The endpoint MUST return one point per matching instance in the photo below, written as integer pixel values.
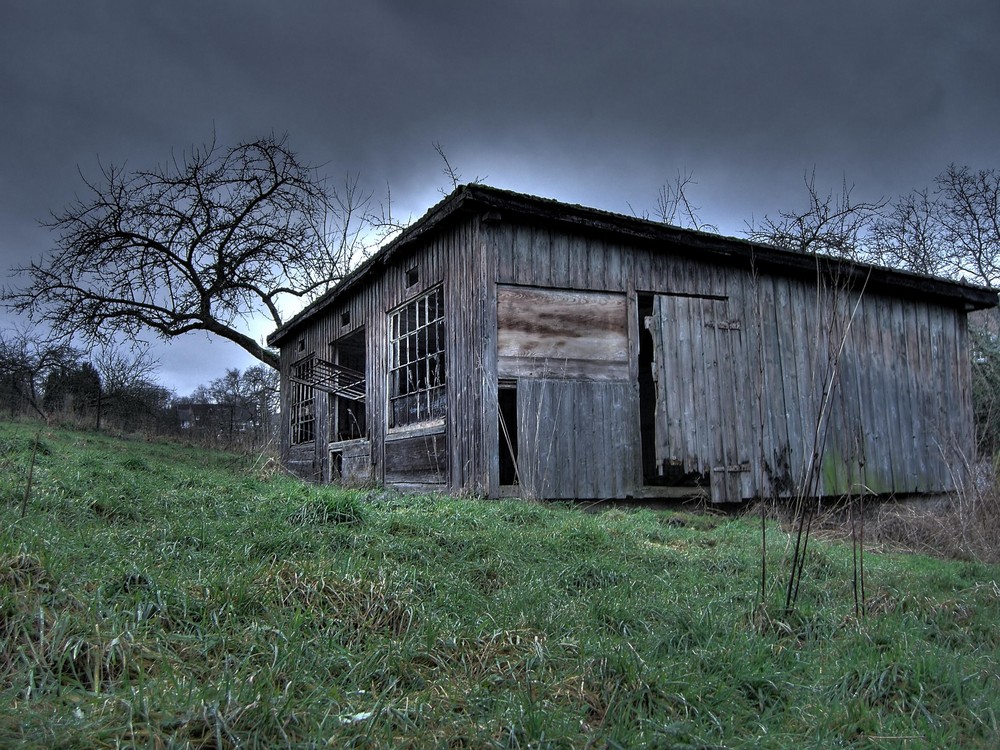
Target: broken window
(303, 414)
(416, 366)
(347, 405)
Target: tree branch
(210, 239)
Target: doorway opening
(653, 404)
(336, 466)
(647, 393)
(347, 410)
(507, 432)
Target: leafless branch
(453, 176)
(908, 236)
(830, 225)
(206, 242)
(968, 211)
(673, 206)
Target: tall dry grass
(961, 526)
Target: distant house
(508, 345)
(208, 417)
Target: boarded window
(303, 414)
(416, 365)
(561, 334)
(419, 460)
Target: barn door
(698, 423)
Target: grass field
(159, 596)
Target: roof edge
(597, 220)
(444, 208)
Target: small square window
(412, 277)
(345, 318)
(301, 346)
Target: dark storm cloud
(585, 101)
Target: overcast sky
(587, 101)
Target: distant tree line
(55, 381)
(238, 410)
(116, 389)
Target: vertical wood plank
(914, 373)
(793, 366)
(503, 235)
(560, 252)
(539, 269)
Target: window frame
(302, 404)
(416, 388)
(339, 405)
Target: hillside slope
(156, 595)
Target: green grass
(161, 596)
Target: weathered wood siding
(701, 422)
(356, 462)
(761, 376)
(472, 332)
(567, 332)
(569, 353)
(311, 460)
(846, 391)
(577, 438)
(420, 461)
(875, 387)
(452, 459)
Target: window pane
(417, 375)
(301, 414)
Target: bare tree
(909, 236)
(250, 398)
(26, 361)
(968, 212)
(72, 391)
(238, 408)
(128, 393)
(830, 225)
(205, 242)
(453, 176)
(122, 367)
(673, 206)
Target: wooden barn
(508, 345)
